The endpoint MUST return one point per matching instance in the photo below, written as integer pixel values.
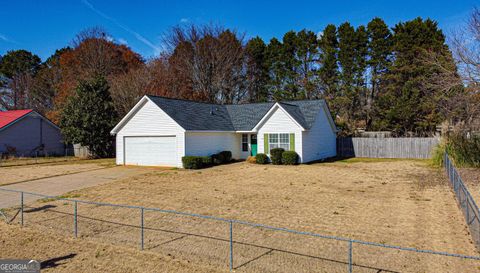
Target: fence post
(21, 208)
(142, 230)
(350, 256)
(75, 220)
(231, 245)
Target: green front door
(253, 144)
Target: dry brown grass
(397, 202)
(61, 254)
(24, 173)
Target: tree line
(373, 77)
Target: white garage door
(151, 151)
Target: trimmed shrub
(207, 161)
(261, 159)
(222, 157)
(227, 156)
(276, 156)
(289, 158)
(192, 162)
(251, 159)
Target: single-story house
(27, 133)
(159, 131)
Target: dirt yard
(396, 202)
(14, 174)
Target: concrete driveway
(59, 185)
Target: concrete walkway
(59, 185)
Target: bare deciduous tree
(209, 62)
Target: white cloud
(184, 20)
(109, 38)
(7, 39)
(156, 49)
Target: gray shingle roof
(199, 116)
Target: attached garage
(150, 150)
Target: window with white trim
(279, 141)
(244, 142)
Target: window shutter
(265, 144)
(292, 142)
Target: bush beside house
(199, 162)
(276, 156)
(261, 159)
(289, 158)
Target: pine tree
(407, 106)
(346, 57)
(88, 117)
(379, 51)
(328, 72)
(257, 70)
(275, 67)
(361, 54)
(307, 54)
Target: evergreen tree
(346, 57)
(361, 53)
(379, 51)
(290, 64)
(275, 68)
(328, 71)
(407, 106)
(88, 117)
(257, 70)
(307, 55)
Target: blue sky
(43, 26)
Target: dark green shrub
(218, 158)
(192, 162)
(222, 157)
(261, 159)
(207, 161)
(289, 158)
(227, 156)
(276, 156)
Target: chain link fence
(465, 200)
(233, 244)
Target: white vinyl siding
(150, 120)
(320, 141)
(280, 122)
(208, 143)
(150, 151)
(28, 133)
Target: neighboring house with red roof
(27, 133)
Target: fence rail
(465, 200)
(386, 147)
(73, 208)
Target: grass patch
(64, 196)
(369, 160)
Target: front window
(279, 141)
(244, 143)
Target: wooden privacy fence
(415, 147)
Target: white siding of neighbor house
(208, 143)
(25, 134)
(320, 141)
(150, 120)
(280, 122)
